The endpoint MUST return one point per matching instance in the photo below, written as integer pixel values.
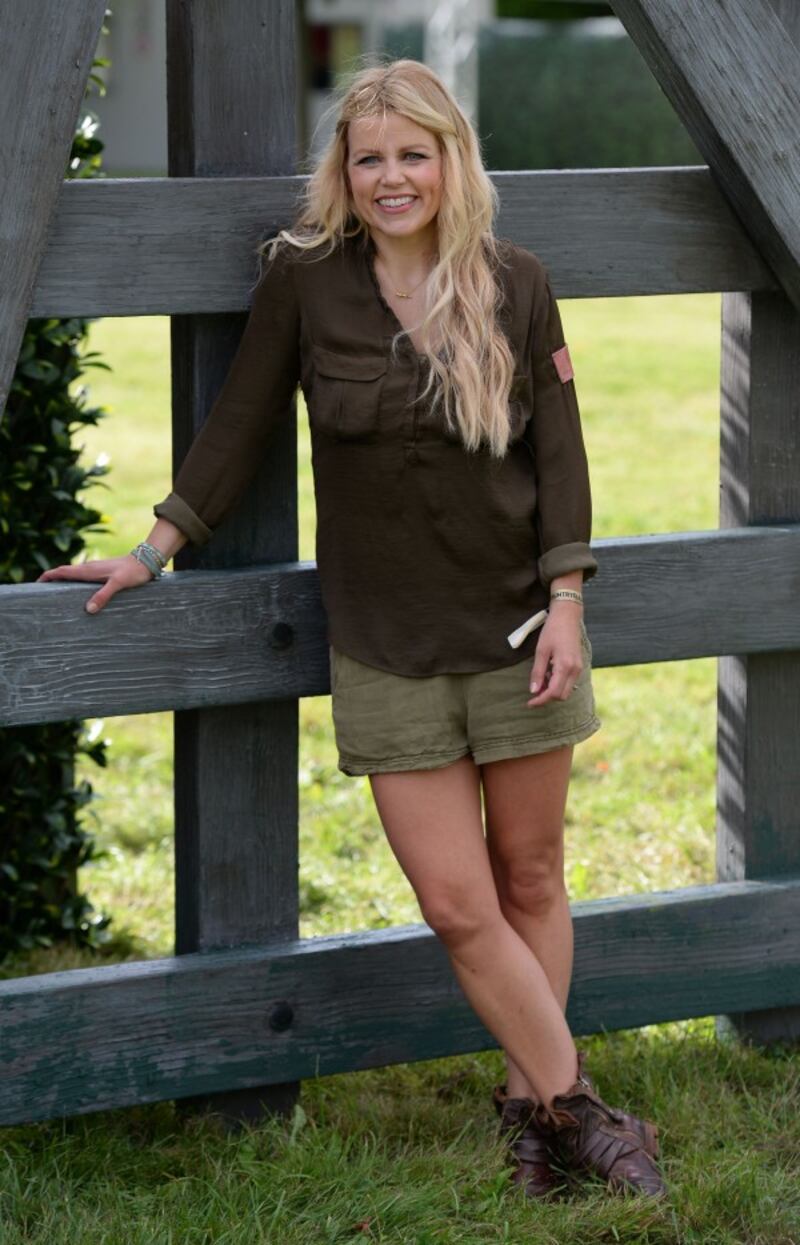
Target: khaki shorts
(385, 722)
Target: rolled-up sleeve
(254, 399)
(564, 503)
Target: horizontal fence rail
(95, 1038)
(173, 246)
(258, 633)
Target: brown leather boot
(647, 1130)
(589, 1135)
(529, 1146)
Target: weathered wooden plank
(787, 13)
(46, 52)
(109, 1037)
(221, 637)
(231, 111)
(733, 77)
(158, 246)
(758, 696)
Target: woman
(453, 521)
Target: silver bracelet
(152, 558)
(567, 594)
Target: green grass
(408, 1155)
(409, 1152)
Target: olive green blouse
(428, 555)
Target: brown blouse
(428, 555)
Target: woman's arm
(255, 397)
(564, 503)
(228, 449)
(166, 537)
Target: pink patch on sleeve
(563, 364)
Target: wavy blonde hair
(472, 371)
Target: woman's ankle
(521, 1090)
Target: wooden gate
(245, 1009)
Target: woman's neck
(408, 259)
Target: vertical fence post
(758, 696)
(231, 75)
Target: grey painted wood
(172, 246)
(231, 112)
(226, 636)
(758, 761)
(108, 1037)
(787, 13)
(758, 696)
(46, 52)
(733, 77)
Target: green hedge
(43, 839)
(565, 94)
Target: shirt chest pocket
(346, 393)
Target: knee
(532, 886)
(456, 916)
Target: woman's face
(394, 169)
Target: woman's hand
(124, 572)
(559, 653)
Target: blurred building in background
(547, 83)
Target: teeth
(397, 202)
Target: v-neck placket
(416, 360)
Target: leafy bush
(43, 840)
(564, 94)
(573, 95)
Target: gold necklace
(400, 293)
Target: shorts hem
(354, 767)
(503, 749)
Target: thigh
(525, 798)
(432, 819)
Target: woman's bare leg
(432, 819)
(524, 802)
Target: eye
(418, 155)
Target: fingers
(556, 689)
(118, 573)
(83, 572)
(540, 663)
(124, 576)
(102, 597)
(74, 570)
(556, 683)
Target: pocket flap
(348, 366)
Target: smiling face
(394, 169)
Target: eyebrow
(374, 151)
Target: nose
(393, 173)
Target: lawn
(408, 1153)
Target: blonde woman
(453, 527)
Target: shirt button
(412, 456)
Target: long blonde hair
(472, 370)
